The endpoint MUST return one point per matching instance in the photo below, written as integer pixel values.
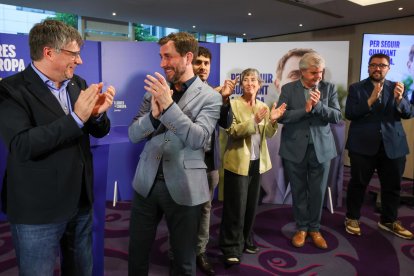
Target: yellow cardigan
(237, 155)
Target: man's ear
(47, 52)
(190, 58)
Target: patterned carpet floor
(374, 253)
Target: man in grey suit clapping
(176, 119)
(307, 144)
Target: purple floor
(374, 253)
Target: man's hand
(86, 101)
(155, 108)
(228, 88)
(315, 95)
(398, 92)
(376, 93)
(159, 89)
(104, 102)
(276, 113)
(308, 105)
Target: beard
(178, 73)
(377, 77)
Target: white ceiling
(230, 17)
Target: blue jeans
(37, 246)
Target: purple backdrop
(127, 73)
(14, 57)
(123, 65)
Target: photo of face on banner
(278, 62)
(410, 67)
(287, 68)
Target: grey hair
(51, 33)
(251, 71)
(311, 60)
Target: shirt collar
(303, 85)
(49, 82)
(185, 85)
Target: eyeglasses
(72, 53)
(380, 66)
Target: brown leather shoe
(318, 240)
(299, 238)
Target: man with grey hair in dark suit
(307, 144)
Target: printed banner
(398, 48)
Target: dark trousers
(182, 222)
(308, 181)
(389, 172)
(241, 195)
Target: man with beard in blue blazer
(377, 141)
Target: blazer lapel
(368, 87)
(189, 95)
(299, 96)
(41, 91)
(192, 92)
(387, 92)
(73, 91)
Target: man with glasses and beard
(376, 141)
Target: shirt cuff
(77, 120)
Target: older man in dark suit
(376, 141)
(46, 116)
(307, 144)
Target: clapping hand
(260, 114)
(160, 91)
(105, 100)
(276, 113)
(315, 95)
(376, 93)
(86, 101)
(228, 88)
(398, 91)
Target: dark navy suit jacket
(379, 123)
(49, 155)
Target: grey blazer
(179, 142)
(298, 125)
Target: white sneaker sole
(383, 227)
(352, 233)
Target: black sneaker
(251, 249)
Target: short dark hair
(203, 51)
(51, 33)
(379, 55)
(183, 42)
